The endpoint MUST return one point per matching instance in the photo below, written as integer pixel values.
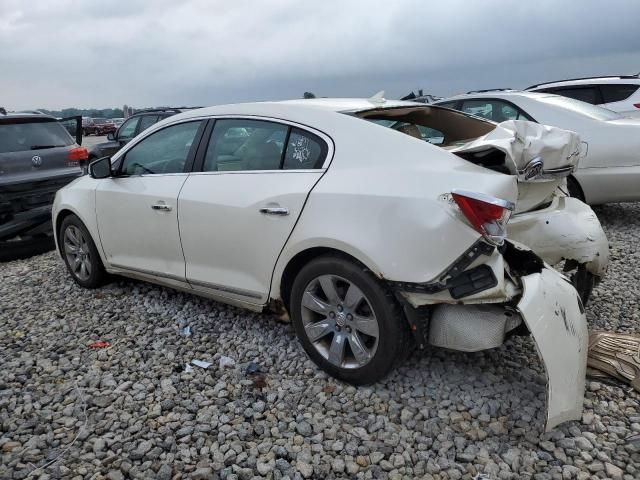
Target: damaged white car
(371, 240)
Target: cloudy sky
(86, 53)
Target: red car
(99, 126)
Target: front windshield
(593, 111)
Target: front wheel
(80, 253)
(349, 324)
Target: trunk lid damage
(540, 156)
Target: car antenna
(378, 98)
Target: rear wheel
(80, 253)
(349, 324)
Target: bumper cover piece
(552, 311)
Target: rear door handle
(162, 207)
(274, 211)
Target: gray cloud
(201, 52)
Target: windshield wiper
(41, 147)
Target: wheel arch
(576, 182)
(296, 262)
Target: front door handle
(161, 206)
(274, 211)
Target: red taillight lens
(78, 155)
(488, 215)
(637, 105)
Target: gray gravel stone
(441, 415)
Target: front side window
(165, 151)
(128, 129)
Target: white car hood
(523, 141)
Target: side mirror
(101, 168)
(111, 136)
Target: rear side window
(304, 151)
(617, 92)
(243, 145)
(584, 94)
(128, 129)
(28, 136)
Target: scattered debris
(260, 381)
(188, 368)
(227, 362)
(201, 363)
(252, 369)
(329, 388)
(481, 476)
(616, 355)
(185, 331)
(99, 344)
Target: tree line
(90, 112)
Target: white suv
(619, 93)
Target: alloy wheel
(77, 253)
(339, 321)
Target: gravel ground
(131, 410)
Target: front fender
(566, 230)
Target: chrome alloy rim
(76, 250)
(339, 321)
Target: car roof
(25, 115)
(496, 94)
(589, 80)
(299, 106)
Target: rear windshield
(19, 137)
(593, 111)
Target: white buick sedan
(370, 239)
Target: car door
(123, 135)
(238, 209)
(137, 209)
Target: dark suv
(131, 127)
(38, 156)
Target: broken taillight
(78, 155)
(487, 214)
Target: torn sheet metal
(523, 142)
(617, 355)
(554, 314)
(566, 230)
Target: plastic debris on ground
(99, 344)
(252, 369)
(188, 368)
(616, 355)
(227, 362)
(185, 331)
(201, 363)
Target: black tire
(96, 274)
(583, 281)
(574, 188)
(393, 341)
